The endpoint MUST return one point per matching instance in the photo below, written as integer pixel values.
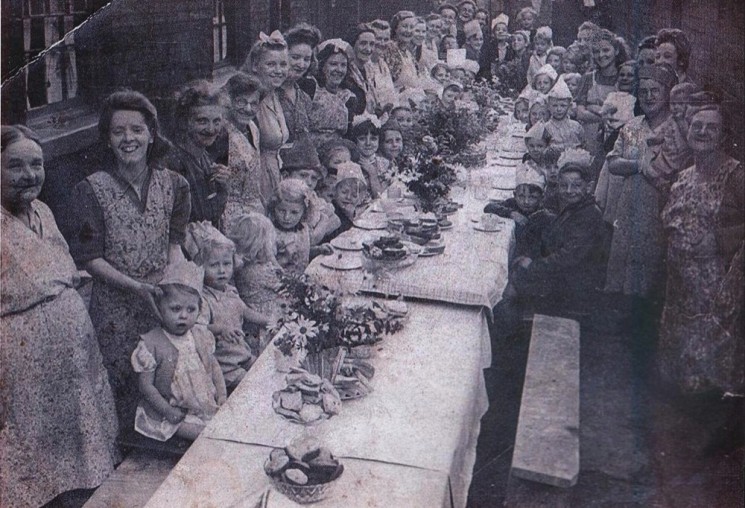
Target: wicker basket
(304, 494)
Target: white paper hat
(577, 156)
(184, 273)
(560, 90)
(473, 27)
(502, 18)
(525, 175)
(545, 32)
(623, 102)
(471, 66)
(349, 170)
(456, 57)
(538, 131)
(549, 70)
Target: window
(46, 22)
(219, 32)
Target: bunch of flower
(428, 178)
(454, 131)
(486, 95)
(314, 318)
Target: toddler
(179, 378)
(565, 132)
(542, 41)
(257, 274)
(223, 311)
(555, 57)
(289, 212)
(537, 139)
(333, 153)
(377, 169)
(538, 111)
(300, 161)
(350, 190)
(526, 209)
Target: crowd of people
(626, 189)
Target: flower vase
(325, 363)
(285, 363)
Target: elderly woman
(58, 423)
(268, 61)
(333, 104)
(198, 118)
(635, 260)
(243, 161)
(131, 221)
(700, 350)
(400, 53)
(671, 46)
(295, 101)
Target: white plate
(343, 263)
(370, 224)
(479, 227)
(345, 243)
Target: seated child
(440, 73)
(405, 118)
(549, 167)
(544, 79)
(526, 209)
(300, 161)
(450, 94)
(554, 58)
(538, 111)
(377, 169)
(257, 271)
(179, 378)
(522, 105)
(289, 211)
(392, 143)
(333, 153)
(537, 139)
(351, 187)
(565, 132)
(223, 312)
(542, 41)
(564, 276)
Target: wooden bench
(547, 438)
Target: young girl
(289, 213)
(223, 312)
(522, 107)
(179, 378)
(542, 41)
(450, 94)
(544, 79)
(257, 276)
(537, 139)
(440, 73)
(526, 19)
(405, 118)
(348, 195)
(332, 154)
(538, 111)
(300, 161)
(555, 57)
(377, 169)
(392, 143)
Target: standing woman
(362, 41)
(269, 63)
(378, 73)
(198, 120)
(608, 53)
(637, 250)
(701, 349)
(330, 113)
(244, 163)
(58, 423)
(296, 103)
(131, 221)
(671, 46)
(400, 53)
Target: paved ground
(638, 447)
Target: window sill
(66, 131)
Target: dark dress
(133, 235)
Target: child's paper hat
(184, 273)
(560, 90)
(549, 70)
(349, 170)
(456, 57)
(199, 236)
(471, 66)
(545, 32)
(471, 28)
(576, 156)
(502, 18)
(526, 175)
(538, 131)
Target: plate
(345, 243)
(370, 224)
(479, 227)
(445, 228)
(341, 263)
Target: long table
(412, 441)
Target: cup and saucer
(488, 223)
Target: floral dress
(133, 234)
(296, 113)
(329, 115)
(637, 246)
(244, 191)
(274, 134)
(192, 388)
(56, 399)
(696, 352)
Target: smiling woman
(131, 219)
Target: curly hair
(191, 95)
(292, 190)
(618, 43)
(678, 39)
(13, 133)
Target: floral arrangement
(455, 131)
(428, 178)
(315, 318)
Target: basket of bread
(304, 471)
(307, 398)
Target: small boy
(565, 132)
(405, 118)
(542, 41)
(555, 57)
(537, 139)
(526, 209)
(550, 168)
